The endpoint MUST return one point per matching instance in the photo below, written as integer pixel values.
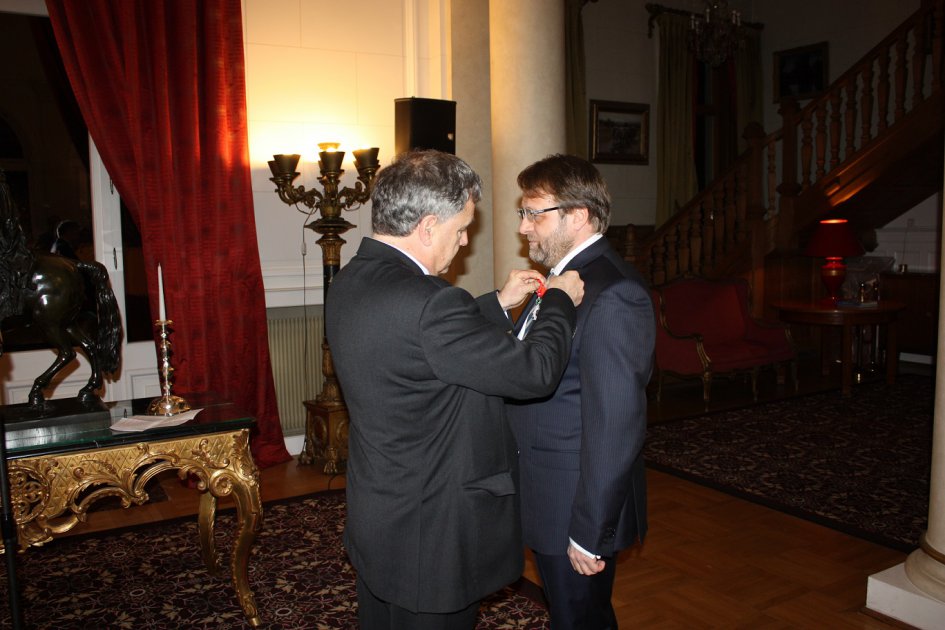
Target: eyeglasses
(531, 215)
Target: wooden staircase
(868, 149)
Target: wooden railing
(730, 226)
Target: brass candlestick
(167, 404)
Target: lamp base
(833, 273)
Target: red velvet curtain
(161, 85)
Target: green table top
(68, 426)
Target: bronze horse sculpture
(70, 301)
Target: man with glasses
(583, 484)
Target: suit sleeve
(491, 309)
(615, 365)
(466, 348)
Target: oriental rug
(858, 464)
(151, 576)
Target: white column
(526, 48)
(914, 592)
(926, 566)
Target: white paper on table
(143, 423)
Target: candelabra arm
(294, 195)
(352, 198)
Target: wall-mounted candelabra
(326, 429)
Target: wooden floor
(710, 560)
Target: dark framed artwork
(800, 72)
(619, 132)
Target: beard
(550, 252)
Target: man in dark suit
(433, 523)
(583, 485)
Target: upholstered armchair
(704, 328)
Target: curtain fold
(675, 166)
(161, 86)
(749, 90)
(575, 77)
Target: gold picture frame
(619, 132)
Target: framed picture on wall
(619, 132)
(800, 72)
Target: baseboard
(891, 594)
(908, 357)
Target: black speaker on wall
(424, 123)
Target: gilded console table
(58, 471)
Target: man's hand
(521, 284)
(569, 282)
(582, 563)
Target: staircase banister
(707, 217)
(900, 32)
(925, 11)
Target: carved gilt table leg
(206, 514)
(52, 494)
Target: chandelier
(713, 36)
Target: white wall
(622, 66)
(324, 71)
(913, 238)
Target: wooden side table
(847, 318)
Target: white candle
(161, 314)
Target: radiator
(295, 349)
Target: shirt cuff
(583, 550)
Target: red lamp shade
(834, 239)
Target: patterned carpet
(860, 464)
(152, 577)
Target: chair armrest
(684, 354)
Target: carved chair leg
(706, 386)
(754, 383)
(794, 375)
(781, 373)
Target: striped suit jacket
(581, 448)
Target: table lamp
(834, 240)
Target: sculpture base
(54, 412)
